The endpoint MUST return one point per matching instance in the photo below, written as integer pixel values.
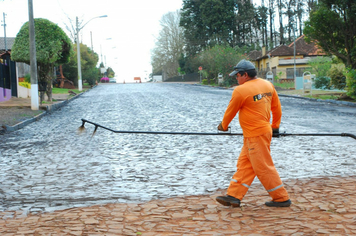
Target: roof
(302, 48)
(308, 49)
(253, 55)
(9, 42)
(281, 50)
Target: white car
(112, 80)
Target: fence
(283, 75)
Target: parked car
(112, 80)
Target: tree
(333, 26)
(280, 5)
(88, 59)
(245, 22)
(299, 14)
(290, 12)
(169, 46)
(311, 5)
(218, 60)
(320, 66)
(337, 76)
(53, 47)
(262, 23)
(271, 12)
(207, 23)
(110, 72)
(218, 19)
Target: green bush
(92, 76)
(204, 81)
(337, 77)
(230, 81)
(25, 84)
(216, 60)
(322, 82)
(320, 65)
(351, 82)
(28, 78)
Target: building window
(290, 73)
(299, 72)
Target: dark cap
(243, 65)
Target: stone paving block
(249, 220)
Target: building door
(10, 75)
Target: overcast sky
(124, 39)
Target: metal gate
(8, 78)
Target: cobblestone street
(47, 166)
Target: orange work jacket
(254, 100)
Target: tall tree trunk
(266, 35)
(281, 28)
(45, 72)
(300, 15)
(264, 24)
(291, 18)
(271, 21)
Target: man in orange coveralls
(254, 99)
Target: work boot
(279, 204)
(228, 201)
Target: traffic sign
(200, 68)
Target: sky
(123, 40)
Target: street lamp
(80, 85)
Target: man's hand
(221, 128)
(275, 133)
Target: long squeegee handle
(321, 134)
(219, 133)
(159, 132)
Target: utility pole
(80, 85)
(101, 55)
(295, 36)
(5, 31)
(33, 61)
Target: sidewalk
(321, 206)
(17, 113)
(26, 102)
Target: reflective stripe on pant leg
(271, 190)
(234, 180)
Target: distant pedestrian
(254, 99)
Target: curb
(351, 104)
(321, 100)
(49, 110)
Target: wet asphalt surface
(48, 166)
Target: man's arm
(231, 111)
(276, 109)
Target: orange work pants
(255, 159)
